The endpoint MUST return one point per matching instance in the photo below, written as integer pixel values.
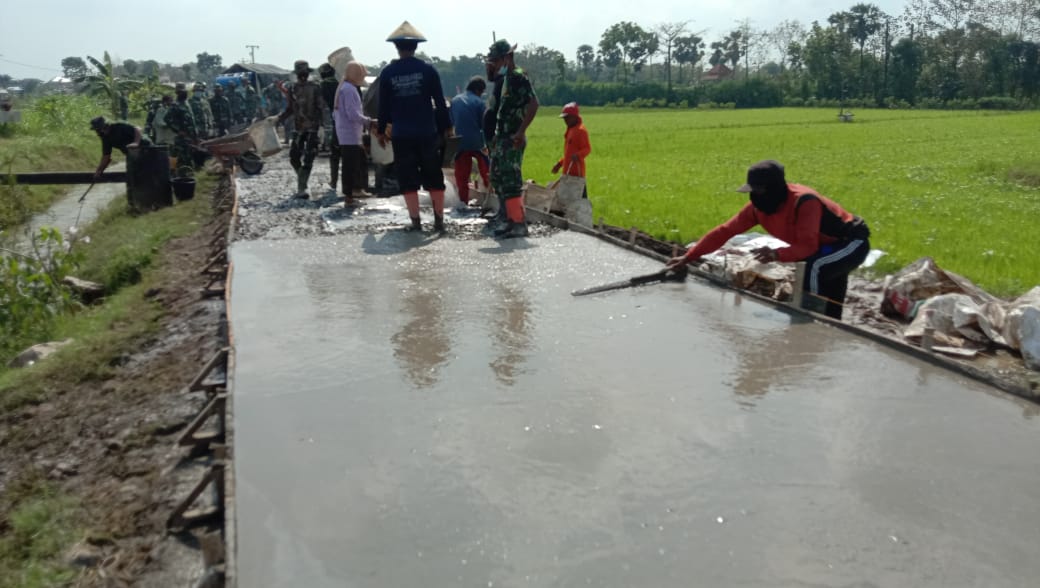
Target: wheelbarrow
(246, 148)
(235, 149)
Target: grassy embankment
(54, 135)
(38, 521)
(962, 187)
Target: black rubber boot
(438, 223)
(416, 225)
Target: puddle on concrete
(415, 411)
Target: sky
(36, 35)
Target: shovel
(84, 196)
(666, 275)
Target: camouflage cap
(199, 86)
(406, 32)
(499, 49)
(301, 66)
(326, 70)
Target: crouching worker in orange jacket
(830, 240)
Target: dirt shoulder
(110, 445)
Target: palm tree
(105, 84)
(865, 20)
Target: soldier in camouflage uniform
(236, 102)
(516, 108)
(250, 102)
(149, 121)
(181, 122)
(308, 109)
(201, 111)
(220, 107)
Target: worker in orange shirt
(576, 146)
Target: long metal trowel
(666, 275)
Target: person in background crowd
(576, 146)
(235, 100)
(250, 101)
(830, 240)
(182, 123)
(220, 107)
(350, 124)
(516, 109)
(201, 110)
(307, 108)
(164, 135)
(329, 85)
(467, 115)
(411, 99)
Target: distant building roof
(260, 68)
(718, 72)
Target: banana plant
(106, 85)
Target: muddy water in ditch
(412, 411)
(69, 215)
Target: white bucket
(339, 59)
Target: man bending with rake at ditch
(830, 240)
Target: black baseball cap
(765, 173)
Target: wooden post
(796, 287)
(928, 336)
(632, 237)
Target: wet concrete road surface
(413, 411)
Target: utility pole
(252, 52)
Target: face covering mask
(770, 201)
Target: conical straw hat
(406, 32)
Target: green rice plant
(954, 185)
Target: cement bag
(339, 59)
(265, 138)
(569, 199)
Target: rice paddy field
(960, 186)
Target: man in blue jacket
(412, 103)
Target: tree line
(935, 53)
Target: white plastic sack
(381, 155)
(537, 197)
(1029, 337)
(570, 191)
(265, 138)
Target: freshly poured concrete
(412, 411)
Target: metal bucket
(148, 177)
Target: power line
(29, 65)
(252, 50)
